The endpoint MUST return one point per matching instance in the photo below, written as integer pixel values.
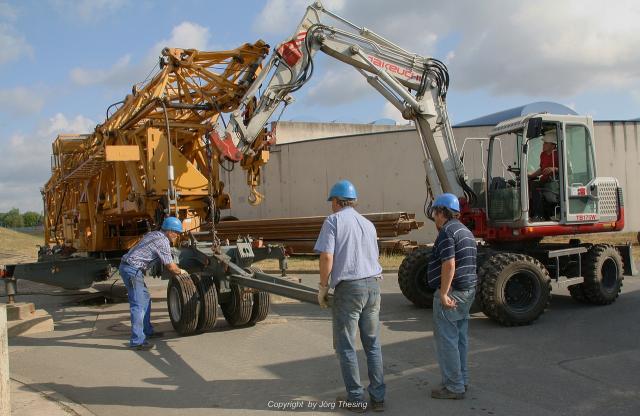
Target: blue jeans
(451, 328)
(139, 303)
(356, 305)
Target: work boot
(145, 346)
(157, 334)
(351, 405)
(377, 406)
(445, 393)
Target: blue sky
(65, 61)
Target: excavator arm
(414, 84)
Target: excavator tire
(182, 302)
(515, 289)
(412, 278)
(207, 302)
(577, 293)
(602, 268)
(237, 310)
(261, 304)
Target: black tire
(602, 269)
(577, 293)
(207, 302)
(237, 310)
(182, 302)
(261, 304)
(515, 289)
(412, 278)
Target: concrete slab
(575, 360)
(20, 310)
(39, 321)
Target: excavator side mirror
(534, 127)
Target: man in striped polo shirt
(452, 272)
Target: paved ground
(576, 360)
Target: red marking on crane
(226, 149)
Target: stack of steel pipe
(299, 233)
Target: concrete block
(40, 321)
(21, 310)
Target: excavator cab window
(581, 167)
(544, 173)
(504, 183)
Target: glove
(323, 296)
(183, 272)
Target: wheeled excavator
(516, 270)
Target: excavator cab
(541, 171)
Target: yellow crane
(157, 154)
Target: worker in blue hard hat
(154, 246)
(348, 248)
(452, 272)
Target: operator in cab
(154, 246)
(452, 273)
(348, 247)
(546, 173)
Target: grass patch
(16, 246)
(312, 263)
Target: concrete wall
(294, 131)
(386, 167)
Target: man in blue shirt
(348, 247)
(452, 271)
(154, 246)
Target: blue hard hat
(447, 201)
(343, 189)
(172, 224)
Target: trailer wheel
(207, 302)
(515, 289)
(237, 310)
(182, 302)
(602, 270)
(412, 278)
(261, 303)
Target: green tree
(13, 219)
(31, 219)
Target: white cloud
(282, 16)
(390, 111)
(340, 86)
(115, 75)
(13, 45)
(125, 72)
(21, 101)
(186, 35)
(26, 160)
(7, 11)
(543, 48)
(88, 10)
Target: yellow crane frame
(109, 187)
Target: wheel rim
(609, 274)
(522, 291)
(174, 304)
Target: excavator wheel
(577, 293)
(412, 278)
(182, 302)
(515, 289)
(261, 304)
(602, 268)
(207, 302)
(238, 309)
